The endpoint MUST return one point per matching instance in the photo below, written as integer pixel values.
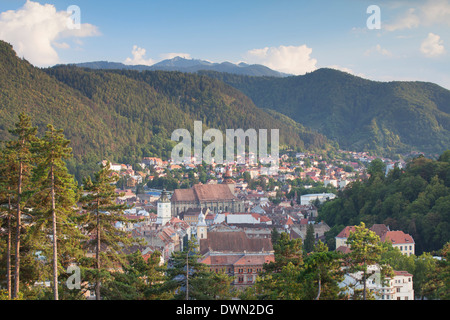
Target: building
(216, 197)
(164, 211)
(307, 199)
(404, 242)
(341, 238)
(399, 287)
(231, 251)
(244, 267)
(202, 228)
(191, 215)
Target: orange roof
(402, 273)
(397, 237)
(346, 232)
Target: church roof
(234, 241)
(204, 192)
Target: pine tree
(366, 249)
(6, 183)
(188, 279)
(322, 273)
(21, 154)
(54, 199)
(102, 215)
(308, 245)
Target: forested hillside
(124, 115)
(383, 117)
(415, 200)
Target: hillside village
(233, 221)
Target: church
(216, 197)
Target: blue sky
(412, 43)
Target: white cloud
(432, 46)
(408, 20)
(431, 13)
(139, 57)
(289, 59)
(172, 55)
(378, 49)
(34, 29)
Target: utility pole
(187, 274)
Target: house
(404, 242)
(398, 287)
(307, 199)
(244, 267)
(341, 238)
(233, 252)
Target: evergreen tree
(322, 273)
(281, 279)
(100, 222)
(366, 249)
(20, 151)
(6, 187)
(54, 201)
(310, 240)
(138, 280)
(192, 280)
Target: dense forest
(385, 118)
(415, 199)
(125, 115)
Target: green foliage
(124, 115)
(385, 118)
(100, 221)
(366, 249)
(415, 200)
(187, 278)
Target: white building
(307, 199)
(164, 209)
(400, 287)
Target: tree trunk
(187, 274)
(8, 253)
(55, 245)
(18, 230)
(97, 254)
(320, 289)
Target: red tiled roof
(204, 192)
(402, 273)
(397, 237)
(346, 232)
(379, 229)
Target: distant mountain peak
(182, 64)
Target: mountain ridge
(189, 65)
(382, 117)
(124, 115)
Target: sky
(378, 39)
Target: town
(232, 209)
